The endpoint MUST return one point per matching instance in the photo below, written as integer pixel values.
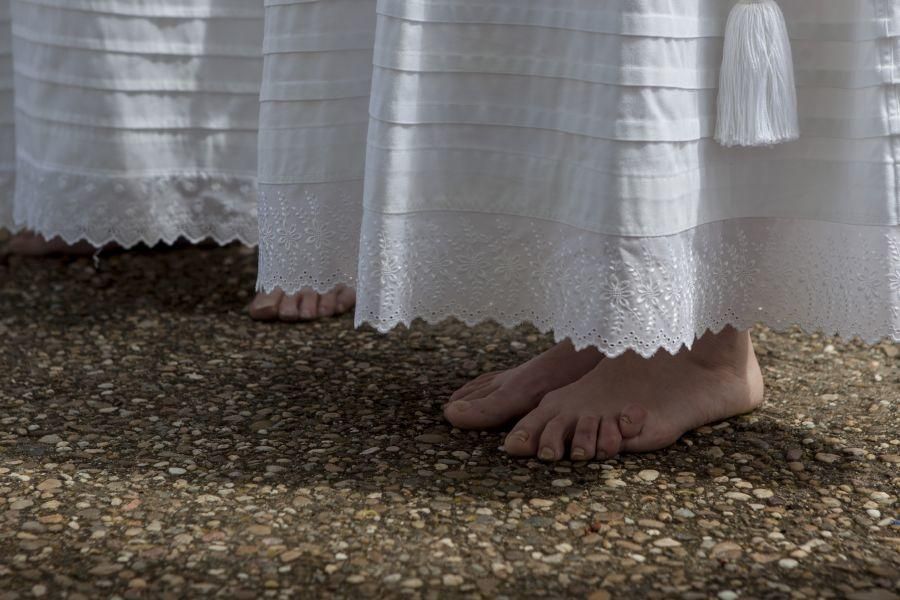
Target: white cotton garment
(553, 163)
(130, 120)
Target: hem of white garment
(126, 210)
(560, 334)
(613, 352)
(616, 293)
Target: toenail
(626, 419)
(462, 405)
(547, 454)
(519, 436)
(578, 453)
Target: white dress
(135, 120)
(552, 163)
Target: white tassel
(757, 92)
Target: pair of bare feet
(274, 306)
(585, 406)
(567, 403)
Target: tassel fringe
(757, 102)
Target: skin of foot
(496, 398)
(276, 306)
(633, 404)
(305, 305)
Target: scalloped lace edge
(103, 209)
(611, 292)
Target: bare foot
(303, 306)
(632, 404)
(29, 243)
(495, 398)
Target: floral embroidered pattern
(308, 235)
(130, 210)
(615, 293)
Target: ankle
(729, 350)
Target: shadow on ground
(154, 442)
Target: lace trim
(308, 235)
(615, 293)
(129, 210)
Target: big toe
(486, 408)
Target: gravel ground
(156, 443)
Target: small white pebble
(788, 563)
(649, 475)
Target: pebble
(666, 543)
(727, 550)
(49, 484)
(794, 454)
(727, 595)
(451, 580)
(561, 483)
(825, 457)
(105, 569)
(177, 471)
(553, 559)
(649, 475)
(50, 439)
(740, 496)
(763, 493)
(715, 452)
(882, 498)
(541, 503)
(788, 563)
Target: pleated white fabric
(7, 119)
(135, 120)
(553, 163)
